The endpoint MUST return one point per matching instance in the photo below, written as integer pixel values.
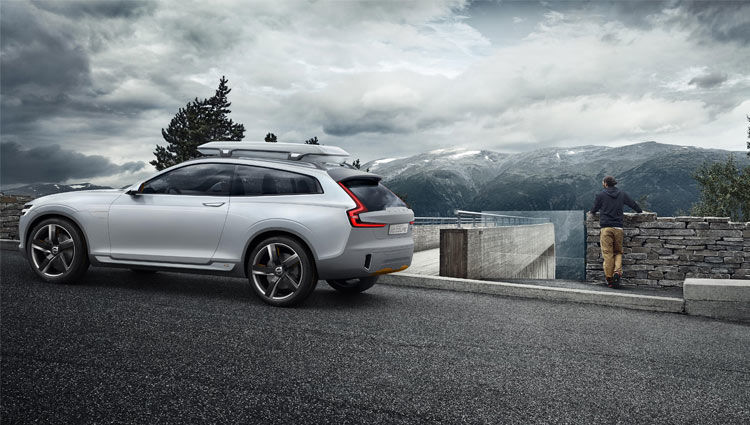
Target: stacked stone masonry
(664, 251)
(10, 211)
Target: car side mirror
(136, 192)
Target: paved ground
(168, 348)
(428, 263)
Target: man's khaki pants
(611, 241)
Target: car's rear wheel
(56, 251)
(281, 271)
(353, 286)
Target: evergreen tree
(725, 190)
(356, 164)
(312, 141)
(270, 138)
(200, 121)
(748, 136)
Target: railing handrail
(483, 219)
(460, 212)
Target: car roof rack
(283, 151)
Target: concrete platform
(426, 263)
(550, 293)
(718, 298)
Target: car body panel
(166, 228)
(87, 208)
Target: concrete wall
(10, 211)
(570, 240)
(718, 298)
(664, 251)
(428, 236)
(498, 252)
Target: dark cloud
(709, 80)
(351, 128)
(42, 67)
(722, 20)
(53, 164)
(99, 9)
(41, 58)
(369, 122)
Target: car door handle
(213, 204)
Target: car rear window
(374, 195)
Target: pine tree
(312, 141)
(270, 138)
(356, 164)
(748, 136)
(200, 121)
(725, 190)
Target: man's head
(609, 181)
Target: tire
(353, 286)
(56, 251)
(281, 271)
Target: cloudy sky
(87, 86)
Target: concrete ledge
(9, 244)
(632, 301)
(718, 298)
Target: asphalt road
(171, 348)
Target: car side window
(197, 179)
(258, 181)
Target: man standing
(610, 202)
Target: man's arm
(597, 204)
(632, 204)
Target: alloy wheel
(52, 250)
(277, 271)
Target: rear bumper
(369, 259)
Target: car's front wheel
(353, 286)
(56, 251)
(281, 271)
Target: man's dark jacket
(610, 202)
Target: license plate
(398, 229)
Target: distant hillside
(440, 181)
(42, 189)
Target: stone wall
(10, 211)
(664, 251)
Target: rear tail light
(356, 211)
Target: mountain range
(657, 175)
(41, 189)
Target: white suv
(283, 215)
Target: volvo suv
(282, 215)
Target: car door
(176, 217)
